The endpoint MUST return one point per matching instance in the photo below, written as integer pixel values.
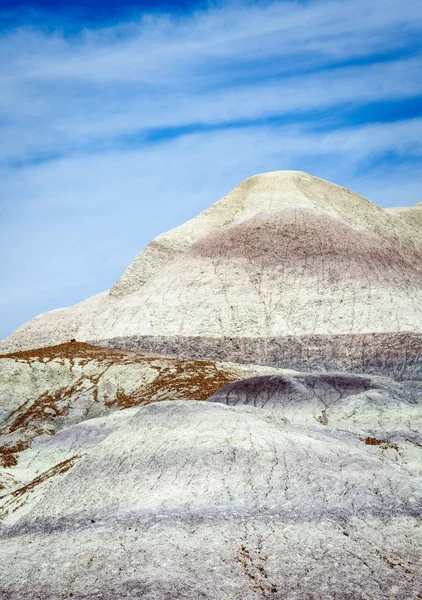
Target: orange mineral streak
(46, 414)
(19, 497)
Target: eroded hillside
(46, 389)
(284, 259)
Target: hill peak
(283, 254)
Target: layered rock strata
(130, 473)
(286, 260)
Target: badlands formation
(287, 270)
(240, 416)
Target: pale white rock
(411, 216)
(46, 390)
(283, 255)
(199, 500)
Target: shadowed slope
(378, 411)
(397, 355)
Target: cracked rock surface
(202, 500)
(45, 390)
(285, 257)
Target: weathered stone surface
(199, 500)
(398, 355)
(120, 480)
(411, 216)
(44, 390)
(284, 255)
(378, 411)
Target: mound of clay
(199, 500)
(286, 260)
(47, 389)
(378, 411)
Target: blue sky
(121, 121)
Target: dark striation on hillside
(397, 355)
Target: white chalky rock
(288, 270)
(200, 500)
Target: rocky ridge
(139, 467)
(48, 389)
(285, 256)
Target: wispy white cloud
(222, 65)
(112, 135)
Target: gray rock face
(223, 502)
(285, 256)
(398, 355)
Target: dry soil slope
(285, 261)
(200, 500)
(411, 216)
(47, 389)
(382, 413)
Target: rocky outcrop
(141, 468)
(45, 390)
(285, 256)
(200, 500)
